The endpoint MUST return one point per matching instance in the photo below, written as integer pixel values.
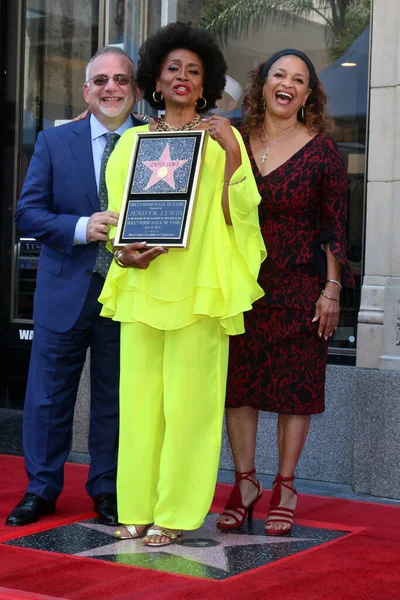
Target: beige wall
(379, 317)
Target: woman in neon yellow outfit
(178, 308)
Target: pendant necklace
(162, 124)
(273, 143)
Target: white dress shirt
(98, 132)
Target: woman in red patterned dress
(279, 364)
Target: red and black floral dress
(279, 364)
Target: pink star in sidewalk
(163, 169)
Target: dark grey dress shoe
(29, 510)
(105, 504)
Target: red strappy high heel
(235, 504)
(280, 514)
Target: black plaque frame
(138, 202)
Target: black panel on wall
(14, 350)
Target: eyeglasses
(103, 79)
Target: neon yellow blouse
(216, 276)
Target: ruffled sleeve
(334, 214)
(238, 268)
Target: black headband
(290, 52)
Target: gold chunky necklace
(162, 124)
(273, 143)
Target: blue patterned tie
(104, 257)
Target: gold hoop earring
(204, 103)
(155, 99)
(263, 103)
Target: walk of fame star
(208, 546)
(206, 553)
(210, 553)
(163, 169)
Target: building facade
(45, 48)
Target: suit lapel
(81, 147)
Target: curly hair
(316, 117)
(176, 36)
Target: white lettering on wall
(26, 334)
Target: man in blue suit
(63, 205)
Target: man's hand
(99, 225)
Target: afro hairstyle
(176, 36)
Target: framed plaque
(160, 191)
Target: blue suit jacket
(59, 188)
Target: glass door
(127, 24)
(59, 37)
(47, 46)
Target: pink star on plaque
(163, 169)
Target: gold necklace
(274, 142)
(162, 124)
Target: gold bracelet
(329, 297)
(117, 258)
(234, 182)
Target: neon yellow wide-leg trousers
(172, 397)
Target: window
(335, 35)
(59, 38)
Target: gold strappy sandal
(172, 537)
(132, 532)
